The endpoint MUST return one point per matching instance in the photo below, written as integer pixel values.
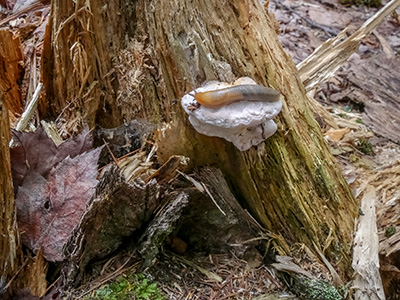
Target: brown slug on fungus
(241, 113)
(244, 92)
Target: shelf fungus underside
(244, 123)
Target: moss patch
(129, 286)
(314, 289)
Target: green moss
(389, 231)
(359, 121)
(129, 287)
(370, 3)
(314, 289)
(365, 147)
(319, 290)
(324, 182)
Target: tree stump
(107, 63)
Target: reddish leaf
(32, 152)
(35, 151)
(48, 210)
(24, 294)
(74, 146)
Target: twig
(51, 285)
(119, 158)
(29, 111)
(212, 198)
(109, 150)
(152, 151)
(130, 153)
(337, 281)
(15, 275)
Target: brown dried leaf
(24, 294)
(36, 152)
(49, 210)
(336, 135)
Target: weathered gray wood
(367, 281)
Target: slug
(246, 92)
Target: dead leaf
(48, 210)
(286, 264)
(25, 294)
(341, 150)
(336, 135)
(36, 152)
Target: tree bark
(9, 240)
(11, 57)
(110, 62)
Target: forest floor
(363, 99)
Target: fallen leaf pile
(53, 186)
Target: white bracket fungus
(241, 113)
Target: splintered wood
(11, 62)
(9, 240)
(330, 56)
(365, 253)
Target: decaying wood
(331, 55)
(168, 170)
(389, 213)
(385, 180)
(374, 86)
(9, 239)
(33, 275)
(11, 58)
(161, 226)
(117, 210)
(194, 215)
(188, 219)
(120, 209)
(367, 282)
(84, 71)
(217, 208)
(52, 132)
(290, 183)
